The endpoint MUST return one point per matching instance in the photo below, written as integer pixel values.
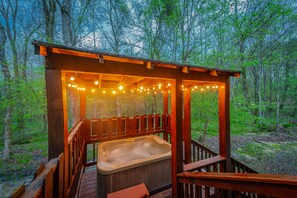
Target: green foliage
(204, 109)
(23, 159)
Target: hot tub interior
(133, 149)
(128, 162)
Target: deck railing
(106, 129)
(200, 152)
(207, 184)
(60, 177)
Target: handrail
(74, 131)
(43, 183)
(203, 163)
(201, 153)
(263, 184)
(203, 147)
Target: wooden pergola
(61, 61)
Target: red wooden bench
(138, 191)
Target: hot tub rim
(134, 163)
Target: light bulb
(72, 78)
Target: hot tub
(128, 162)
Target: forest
(258, 38)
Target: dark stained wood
(48, 184)
(203, 163)
(165, 102)
(82, 103)
(39, 170)
(263, 184)
(224, 123)
(73, 63)
(36, 187)
(59, 182)
(165, 112)
(187, 126)
(58, 61)
(176, 135)
(18, 192)
(88, 184)
(57, 113)
(154, 175)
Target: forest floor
(273, 153)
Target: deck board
(88, 184)
(89, 181)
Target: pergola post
(57, 113)
(224, 122)
(187, 125)
(176, 136)
(82, 105)
(165, 112)
(57, 118)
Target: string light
(96, 82)
(69, 84)
(72, 78)
(93, 90)
(121, 87)
(104, 92)
(114, 92)
(168, 84)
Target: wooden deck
(88, 184)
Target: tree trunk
(205, 131)
(7, 92)
(7, 133)
(66, 22)
(49, 10)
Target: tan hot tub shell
(127, 162)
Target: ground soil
(280, 161)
